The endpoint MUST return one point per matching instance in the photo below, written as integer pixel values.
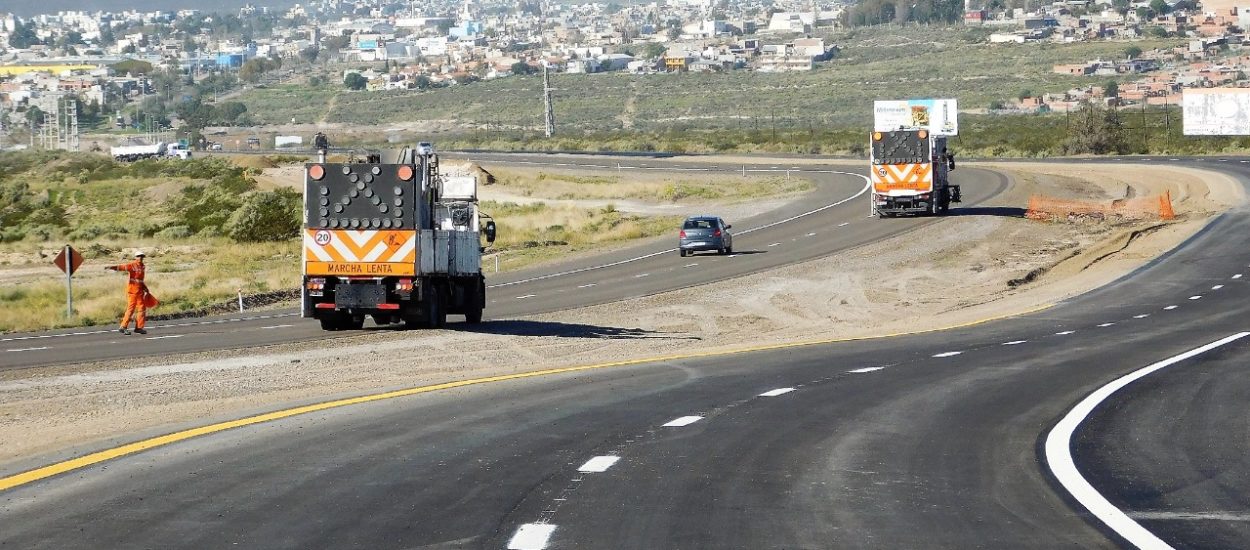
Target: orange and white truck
(397, 242)
(911, 173)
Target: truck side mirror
(490, 231)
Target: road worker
(136, 295)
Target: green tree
(252, 70)
(354, 81)
(266, 216)
(1132, 52)
(1024, 94)
(523, 68)
(310, 54)
(653, 50)
(1112, 89)
(1160, 7)
(228, 112)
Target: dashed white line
(1014, 342)
(844, 224)
(1196, 297)
(531, 536)
(526, 296)
(948, 354)
(683, 421)
(1105, 325)
(811, 234)
(598, 464)
(776, 392)
(690, 265)
(775, 244)
(1142, 316)
(1217, 287)
(25, 349)
(165, 337)
(276, 326)
(641, 275)
(587, 285)
(1058, 451)
(1237, 276)
(1170, 308)
(865, 369)
(1065, 333)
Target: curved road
(931, 440)
(830, 219)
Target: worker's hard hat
(139, 254)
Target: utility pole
(549, 114)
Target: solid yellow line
(139, 446)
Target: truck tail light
(404, 285)
(316, 283)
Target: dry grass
(534, 233)
(693, 188)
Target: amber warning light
(922, 134)
(405, 173)
(876, 136)
(317, 172)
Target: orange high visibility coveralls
(136, 291)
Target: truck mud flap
(359, 295)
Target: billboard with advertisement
(1216, 112)
(939, 116)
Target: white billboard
(1216, 111)
(288, 141)
(939, 116)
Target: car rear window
(700, 224)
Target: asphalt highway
(830, 219)
(932, 440)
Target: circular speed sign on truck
(322, 237)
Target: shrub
(174, 232)
(267, 216)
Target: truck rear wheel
(473, 311)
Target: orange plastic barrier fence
(1053, 209)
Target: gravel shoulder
(960, 275)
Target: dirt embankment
(989, 262)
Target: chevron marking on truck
(360, 246)
(904, 176)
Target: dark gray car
(705, 233)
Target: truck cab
(910, 172)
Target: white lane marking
(1063, 467)
(864, 189)
(844, 224)
(776, 392)
(25, 349)
(1170, 308)
(1196, 297)
(164, 337)
(775, 244)
(1217, 287)
(598, 464)
(1014, 342)
(1174, 160)
(1065, 333)
(526, 296)
(1237, 276)
(1142, 316)
(1105, 325)
(531, 536)
(865, 369)
(587, 285)
(169, 325)
(641, 275)
(1192, 516)
(276, 326)
(690, 265)
(948, 354)
(683, 421)
(811, 234)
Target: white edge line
(776, 392)
(1065, 333)
(1217, 287)
(25, 349)
(598, 464)
(165, 337)
(867, 186)
(1015, 342)
(1170, 308)
(947, 354)
(865, 369)
(1063, 467)
(531, 536)
(682, 421)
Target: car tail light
(716, 233)
(683, 233)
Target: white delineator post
(240, 291)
